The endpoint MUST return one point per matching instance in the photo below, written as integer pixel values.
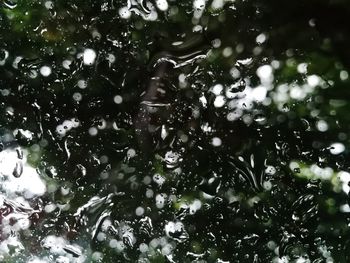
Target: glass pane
(174, 131)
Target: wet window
(174, 131)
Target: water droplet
(89, 56)
(18, 170)
(260, 118)
(296, 170)
(45, 71)
(11, 4)
(118, 99)
(172, 159)
(176, 230)
(216, 142)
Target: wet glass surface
(174, 131)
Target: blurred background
(174, 131)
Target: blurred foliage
(254, 206)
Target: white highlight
(259, 93)
(162, 5)
(219, 101)
(89, 56)
(337, 148)
(124, 13)
(118, 99)
(45, 71)
(216, 141)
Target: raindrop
(158, 179)
(45, 71)
(18, 150)
(239, 86)
(139, 211)
(77, 96)
(93, 131)
(11, 4)
(124, 13)
(172, 159)
(219, 101)
(176, 230)
(131, 153)
(337, 148)
(216, 142)
(322, 125)
(296, 170)
(75, 251)
(260, 118)
(118, 99)
(49, 4)
(82, 84)
(18, 170)
(162, 5)
(89, 56)
(143, 248)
